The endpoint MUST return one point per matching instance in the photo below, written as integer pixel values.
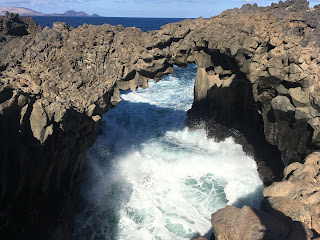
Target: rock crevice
(256, 66)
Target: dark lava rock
(258, 72)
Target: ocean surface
(149, 177)
(145, 24)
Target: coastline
(266, 156)
(49, 118)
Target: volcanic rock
(247, 223)
(258, 71)
(292, 205)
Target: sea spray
(149, 177)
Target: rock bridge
(258, 68)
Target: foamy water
(149, 177)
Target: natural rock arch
(56, 84)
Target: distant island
(29, 12)
(73, 13)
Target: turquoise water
(149, 177)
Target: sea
(148, 176)
(145, 24)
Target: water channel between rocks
(149, 177)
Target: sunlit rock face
(256, 67)
(290, 208)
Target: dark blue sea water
(145, 24)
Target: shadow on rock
(253, 224)
(290, 208)
(249, 135)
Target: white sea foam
(149, 177)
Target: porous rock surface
(257, 68)
(290, 208)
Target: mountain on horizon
(21, 11)
(29, 12)
(73, 13)
(76, 14)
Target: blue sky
(138, 8)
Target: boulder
(282, 103)
(247, 223)
(297, 196)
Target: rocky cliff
(258, 71)
(290, 208)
